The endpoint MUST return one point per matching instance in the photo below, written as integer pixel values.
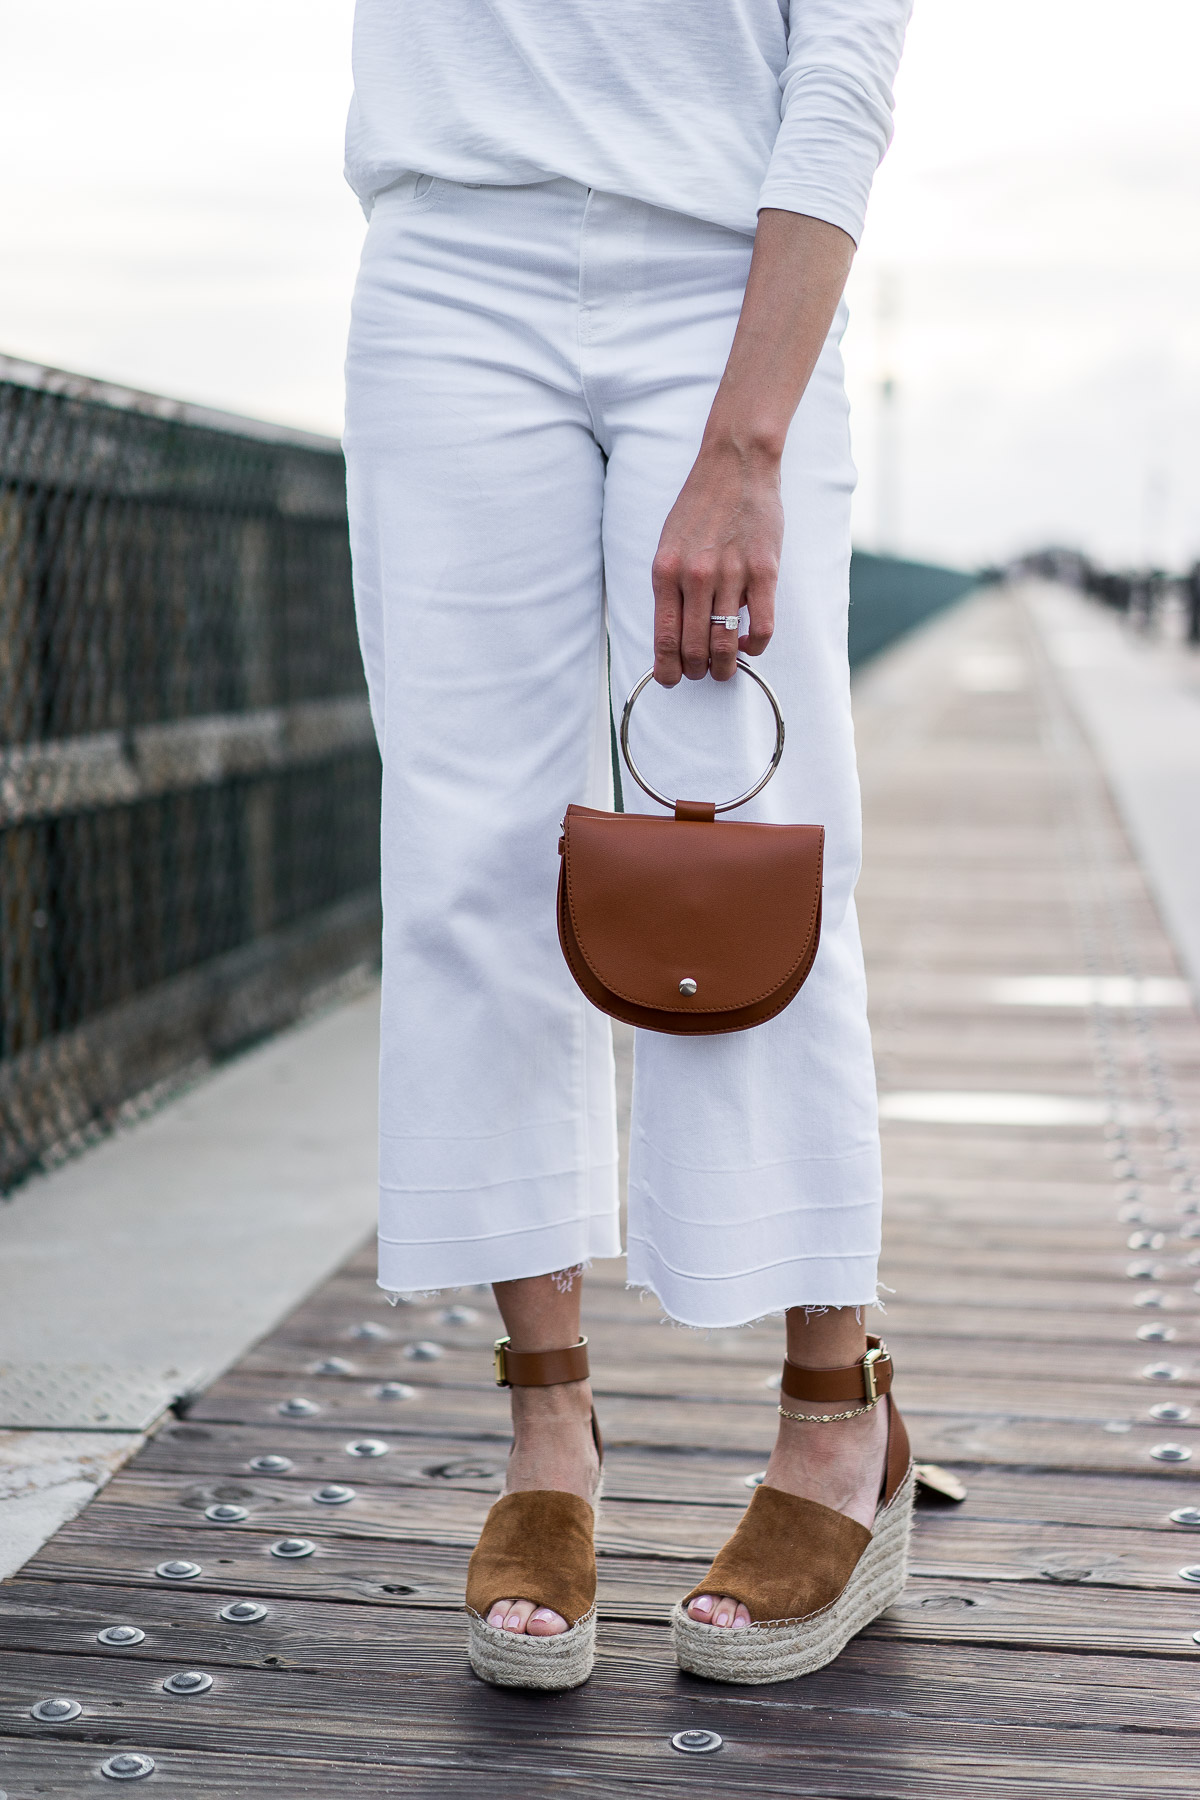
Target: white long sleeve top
(713, 108)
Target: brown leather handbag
(686, 924)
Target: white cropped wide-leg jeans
(529, 373)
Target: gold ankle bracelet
(830, 1418)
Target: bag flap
(732, 906)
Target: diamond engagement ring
(728, 620)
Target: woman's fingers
(668, 617)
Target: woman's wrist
(754, 443)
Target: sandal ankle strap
(540, 1368)
(864, 1381)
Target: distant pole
(887, 443)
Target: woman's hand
(720, 546)
(719, 551)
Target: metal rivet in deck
(1146, 1240)
(178, 1570)
(1153, 1297)
(1170, 1412)
(120, 1635)
(1190, 1572)
(423, 1352)
(1156, 1334)
(293, 1548)
(371, 1330)
(394, 1390)
(458, 1315)
(58, 1710)
(188, 1681)
(243, 1612)
(1162, 1372)
(334, 1494)
(1131, 1215)
(1117, 1425)
(1191, 1229)
(297, 1408)
(1171, 1453)
(222, 1512)
(128, 1765)
(367, 1447)
(1186, 1515)
(697, 1743)
(332, 1365)
(755, 1480)
(271, 1464)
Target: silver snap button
(394, 1390)
(178, 1570)
(242, 1612)
(1156, 1334)
(1171, 1453)
(120, 1634)
(334, 1494)
(293, 1549)
(1170, 1412)
(687, 986)
(696, 1743)
(223, 1513)
(367, 1447)
(1162, 1372)
(1186, 1515)
(271, 1465)
(1190, 1573)
(130, 1765)
(56, 1711)
(297, 1408)
(423, 1352)
(332, 1365)
(188, 1681)
(371, 1330)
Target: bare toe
(500, 1611)
(727, 1610)
(545, 1623)
(700, 1609)
(517, 1616)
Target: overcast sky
(173, 216)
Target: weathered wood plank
(880, 1704)
(216, 1453)
(937, 1436)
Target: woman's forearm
(720, 546)
(797, 274)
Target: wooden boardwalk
(1040, 1249)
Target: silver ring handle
(728, 805)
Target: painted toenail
(722, 1618)
(704, 1603)
(544, 1613)
(496, 1616)
(513, 1622)
(740, 1624)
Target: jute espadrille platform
(809, 1577)
(537, 1545)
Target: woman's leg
(839, 1464)
(754, 1157)
(552, 1426)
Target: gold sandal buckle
(500, 1361)
(871, 1357)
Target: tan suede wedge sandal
(809, 1577)
(537, 1546)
